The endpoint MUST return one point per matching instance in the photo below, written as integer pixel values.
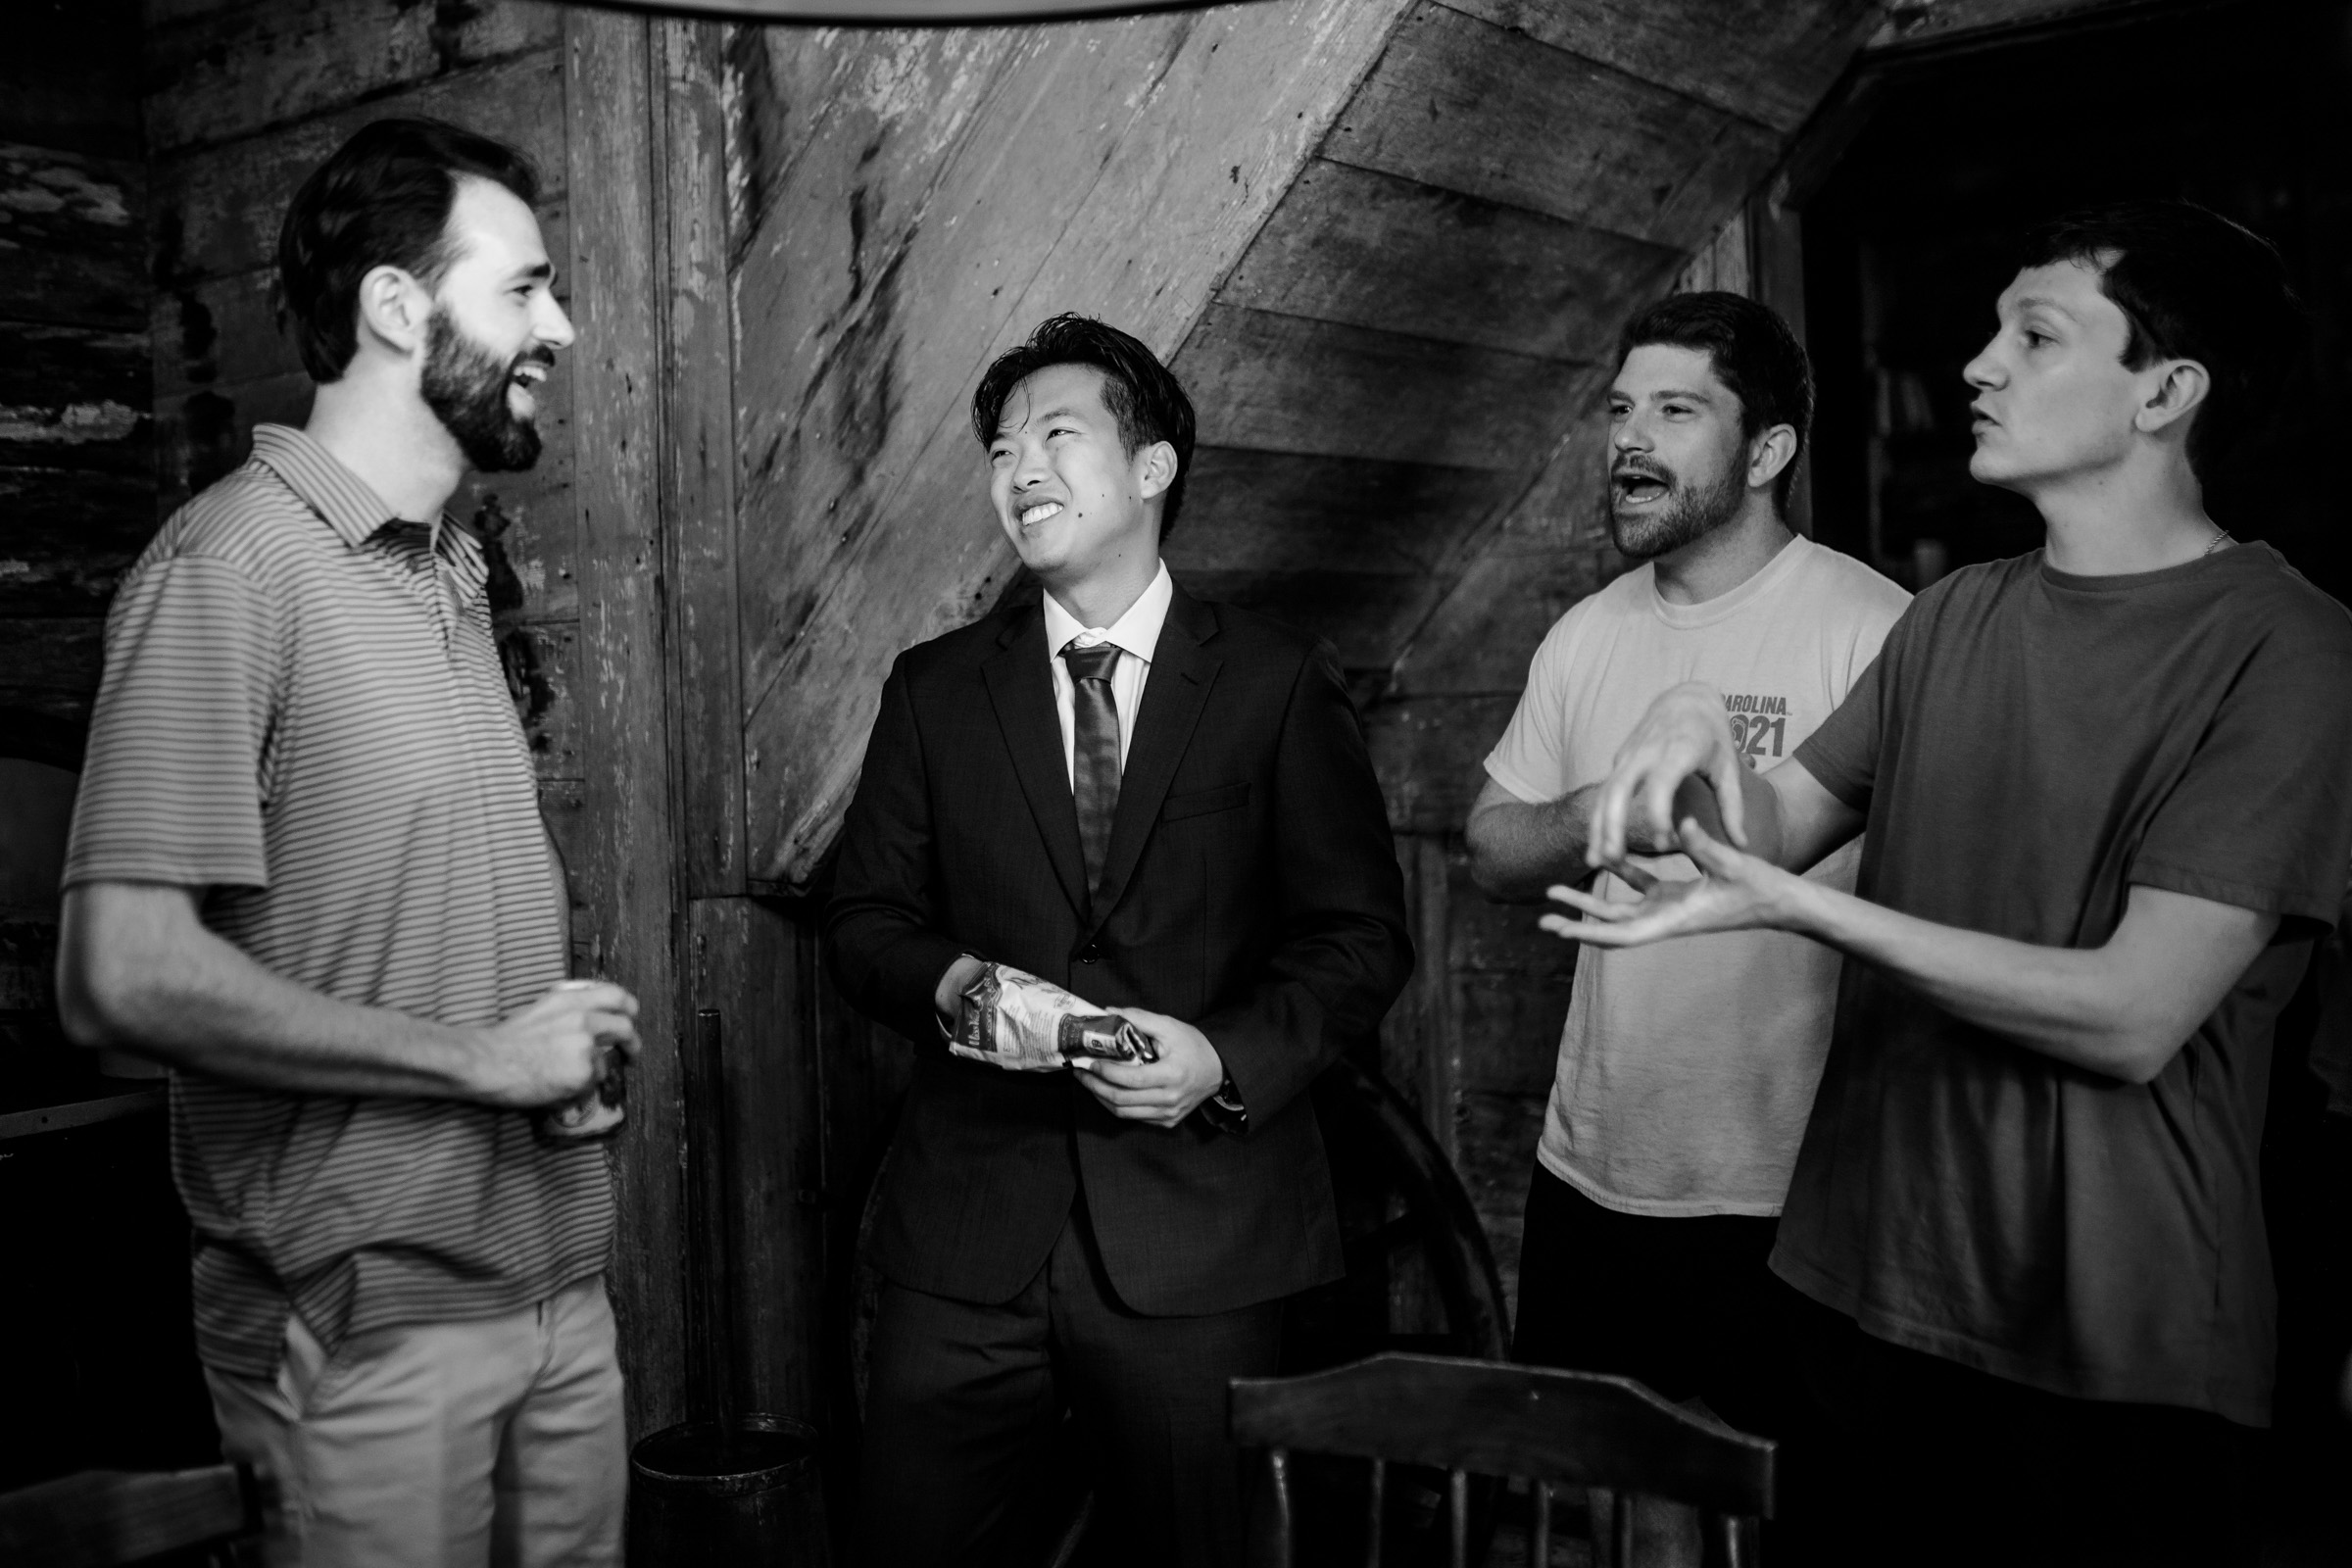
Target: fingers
(603, 996)
(1709, 855)
(612, 1029)
(1593, 909)
(1592, 933)
(1159, 1107)
(1731, 795)
(1128, 1074)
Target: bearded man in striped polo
(309, 874)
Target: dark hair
(1752, 352)
(383, 199)
(1142, 396)
(2192, 285)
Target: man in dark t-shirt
(2105, 795)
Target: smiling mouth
(527, 377)
(1038, 511)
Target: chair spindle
(1538, 1553)
(1459, 1515)
(1379, 1509)
(1278, 1464)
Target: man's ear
(394, 309)
(2180, 386)
(1158, 469)
(1769, 453)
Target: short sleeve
(2262, 816)
(1531, 760)
(171, 785)
(1843, 755)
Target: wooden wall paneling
(1152, 148)
(49, 665)
(76, 465)
(1764, 59)
(1285, 384)
(1369, 249)
(626, 859)
(1247, 510)
(1427, 750)
(228, 199)
(746, 963)
(1361, 612)
(228, 70)
(1461, 103)
(698, 471)
(73, 249)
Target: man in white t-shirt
(1685, 1077)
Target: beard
(465, 384)
(1686, 512)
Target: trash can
(744, 1494)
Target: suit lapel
(1021, 687)
(1182, 670)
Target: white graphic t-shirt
(1687, 1069)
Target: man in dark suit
(1167, 807)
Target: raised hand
(555, 1049)
(1733, 892)
(1685, 735)
(1161, 1092)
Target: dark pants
(966, 1403)
(1923, 1460)
(1684, 1305)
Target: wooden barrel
(739, 1495)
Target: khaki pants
(442, 1445)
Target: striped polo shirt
(303, 716)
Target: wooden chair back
(1550, 1427)
(98, 1518)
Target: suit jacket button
(1088, 954)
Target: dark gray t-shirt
(2028, 746)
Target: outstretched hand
(1685, 735)
(1733, 892)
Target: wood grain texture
(1285, 384)
(1368, 249)
(1463, 104)
(624, 865)
(1283, 512)
(1150, 150)
(70, 78)
(1765, 60)
(698, 470)
(50, 666)
(230, 71)
(218, 208)
(73, 245)
(747, 962)
(1427, 750)
(1359, 612)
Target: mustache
(536, 354)
(1633, 468)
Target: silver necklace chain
(2220, 537)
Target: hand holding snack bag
(1012, 1019)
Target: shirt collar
(1136, 632)
(350, 505)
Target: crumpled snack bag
(1014, 1020)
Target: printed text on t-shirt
(1757, 722)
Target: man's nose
(554, 327)
(1983, 372)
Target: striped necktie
(1095, 773)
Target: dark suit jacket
(1250, 887)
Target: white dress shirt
(1137, 636)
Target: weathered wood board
(1148, 151)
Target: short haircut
(1752, 352)
(1146, 400)
(383, 199)
(2192, 285)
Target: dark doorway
(2243, 107)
